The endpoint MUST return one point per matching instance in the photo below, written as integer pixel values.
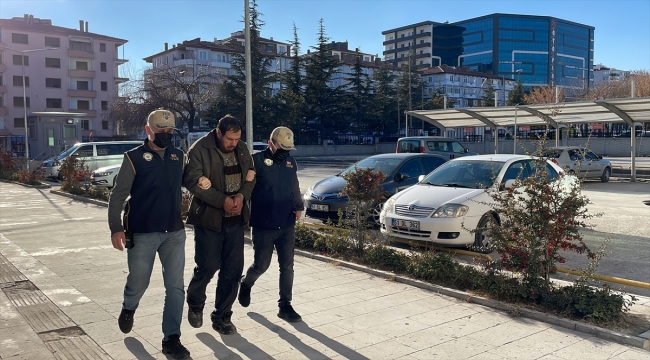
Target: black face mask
(280, 154)
(162, 140)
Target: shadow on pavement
(308, 351)
(236, 341)
(137, 349)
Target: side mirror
(420, 178)
(600, 157)
(401, 177)
(509, 184)
(466, 150)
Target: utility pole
(249, 80)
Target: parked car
(580, 161)
(259, 146)
(454, 198)
(439, 145)
(323, 200)
(95, 155)
(105, 176)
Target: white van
(432, 145)
(95, 155)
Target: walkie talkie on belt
(128, 235)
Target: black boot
(289, 314)
(174, 347)
(224, 326)
(125, 321)
(244, 294)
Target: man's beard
(223, 148)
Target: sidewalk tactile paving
(8, 273)
(78, 348)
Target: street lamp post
(22, 57)
(514, 147)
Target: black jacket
(206, 208)
(276, 196)
(155, 203)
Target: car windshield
(385, 165)
(552, 153)
(66, 153)
(473, 174)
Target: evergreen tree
(357, 95)
(383, 106)
(516, 95)
(488, 94)
(410, 85)
(291, 98)
(321, 98)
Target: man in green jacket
(220, 175)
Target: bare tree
(623, 88)
(544, 95)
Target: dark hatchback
(322, 200)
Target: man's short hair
(228, 123)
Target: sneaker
(195, 318)
(244, 294)
(174, 347)
(125, 321)
(224, 326)
(289, 314)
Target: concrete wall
(600, 146)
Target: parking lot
(624, 219)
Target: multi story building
(71, 76)
(604, 74)
(547, 50)
(200, 58)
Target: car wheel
(606, 175)
(376, 211)
(482, 241)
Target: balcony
(120, 61)
(3, 110)
(81, 73)
(119, 80)
(3, 89)
(87, 112)
(425, 55)
(390, 52)
(424, 44)
(80, 54)
(82, 93)
(3, 67)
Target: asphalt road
(623, 219)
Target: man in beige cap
(276, 205)
(152, 174)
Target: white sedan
(105, 176)
(456, 197)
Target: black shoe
(244, 295)
(174, 347)
(195, 318)
(224, 326)
(126, 320)
(289, 314)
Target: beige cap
(284, 137)
(161, 119)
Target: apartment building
(347, 59)
(71, 76)
(465, 87)
(604, 74)
(547, 50)
(198, 57)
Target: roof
(53, 30)
(492, 157)
(462, 70)
(404, 155)
(594, 111)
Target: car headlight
(308, 193)
(450, 211)
(389, 206)
(106, 173)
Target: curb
(636, 341)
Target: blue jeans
(263, 243)
(214, 251)
(171, 249)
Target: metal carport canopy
(595, 111)
(629, 111)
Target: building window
(53, 103)
(82, 85)
(402, 35)
(391, 38)
(282, 50)
(85, 124)
(18, 101)
(451, 78)
(17, 38)
(104, 125)
(82, 46)
(83, 105)
(403, 45)
(269, 47)
(69, 131)
(102, 67)
(52, 83)
(52, 42)
(81, 65)
(203, 55)
(104, 86)
(464, 78)
(102, 47)
(19, 122)
(18, 60)
(18, 80)
(53, 63)
(104, 105)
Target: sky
(622, 27)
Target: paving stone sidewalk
(59, 257)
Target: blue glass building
(541, 50)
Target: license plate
(411, 225)
(320, 207)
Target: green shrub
(386, 258)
